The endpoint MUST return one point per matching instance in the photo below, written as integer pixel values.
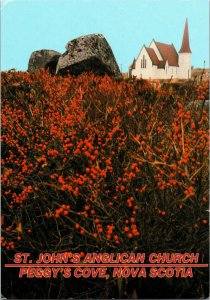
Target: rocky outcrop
(88, 53)
(47, 59)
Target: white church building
(161, 61)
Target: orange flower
(130, 235)
(126, 229)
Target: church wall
(158, 73)
(184, 65)
(172, 72)
(140, 72)
(155, 73)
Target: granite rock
(43, 59)
(88, 53)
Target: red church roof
(153, 56)
(161, 64)
(168, 52)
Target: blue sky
(29, 25)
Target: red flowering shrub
(94, 164)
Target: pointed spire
(185, 48)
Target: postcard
(104, 149)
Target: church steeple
(185, 48)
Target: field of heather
(94, 164)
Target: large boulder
(88, 53)
(47, 59)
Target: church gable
(143, 60)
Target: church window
(143, 63)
